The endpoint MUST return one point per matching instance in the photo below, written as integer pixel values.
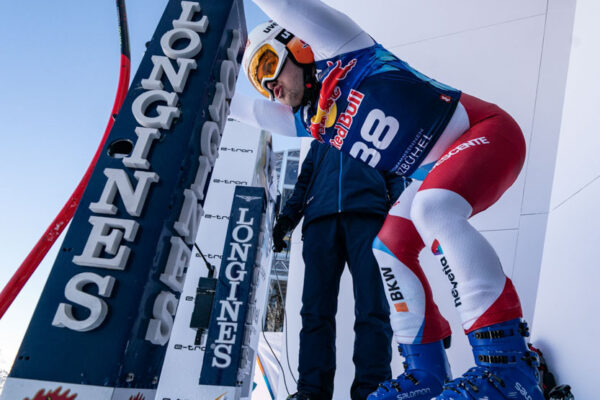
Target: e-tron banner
(107, 309)
(228, 341)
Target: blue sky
(60, 65)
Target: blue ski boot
(505, 367)
(426, 369)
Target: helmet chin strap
(312, 86)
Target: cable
(285, 327)
(285, 335)
(278, 362)
(41, 248)
(287, 355)
(280, 291)
(209, 266)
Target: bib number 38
(378, 130)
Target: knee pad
(437, 210)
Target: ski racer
(333, 82)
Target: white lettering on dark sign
(108, 234)
(236, 270)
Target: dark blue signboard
(226, 331)
(106, 312)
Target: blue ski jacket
(330, 182)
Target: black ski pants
(329, 243)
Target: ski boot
(561, 392)
(505, 367)
(426, 369)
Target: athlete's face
(288, 88)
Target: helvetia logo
(55, 395)
(436, 249)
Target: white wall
(566, 317)
(183, 360)
(512, 53)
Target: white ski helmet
(267, 49)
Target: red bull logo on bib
(330, 92)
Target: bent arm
(263, 114)
(328, 31)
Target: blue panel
(226, 330)
(378, 245)
(117, 349)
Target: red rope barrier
(39, 251)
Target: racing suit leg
(414, 316)
(419, 328)
(469, 177)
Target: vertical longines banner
(105, 315)
(228, 343)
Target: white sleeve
(263, 114)
(328, 31)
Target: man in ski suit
(343, 203)
(335, 83)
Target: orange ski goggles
(265, 67)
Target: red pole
(39, 251)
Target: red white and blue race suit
(462, 153)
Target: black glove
(284, 225)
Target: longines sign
(227, 336)
(107, 309)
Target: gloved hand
(284, 225)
